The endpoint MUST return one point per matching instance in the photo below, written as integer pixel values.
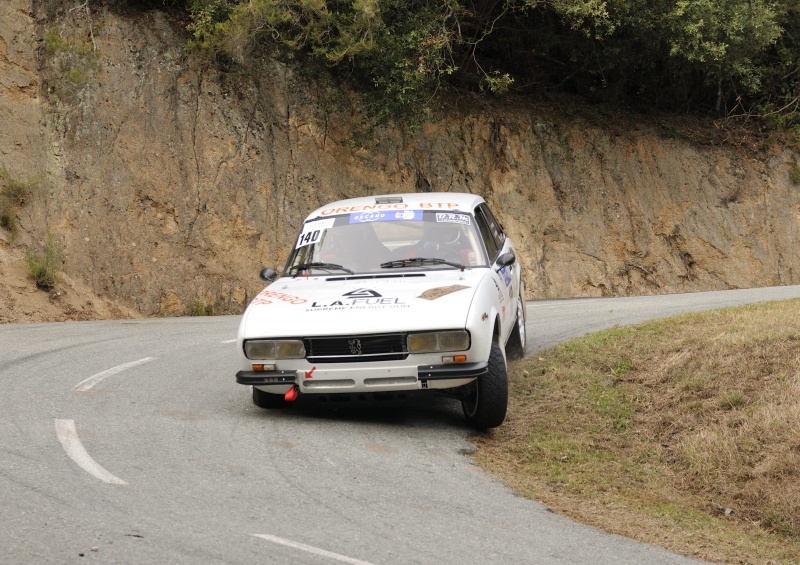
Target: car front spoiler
(425, 373)
(266, 378)
(452, 371)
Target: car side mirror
(267, 274)
(505, 260)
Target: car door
(506, 278)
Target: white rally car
(390, 293)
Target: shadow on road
(418, 409)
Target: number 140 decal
(310, 237)
(312, 232)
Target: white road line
(65, 430)
(229, 341)
(86, 384)
(311, 549)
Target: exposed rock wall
(168, 183)
(22, 116)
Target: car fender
(483, 318)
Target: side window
(494, 226)
(486, 234)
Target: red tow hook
(292, 394)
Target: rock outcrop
(167, 183)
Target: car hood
(309, 306)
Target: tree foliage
(718, 56)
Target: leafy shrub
(201, 308)
(725, 56)
(75, 62)
(13, 194)
(43, 266)
(396, 52)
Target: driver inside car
(445, 241)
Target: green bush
(43, 266)
(397, 52)
(75, 61)
(731, 57)
(13, 194)
(201, 308)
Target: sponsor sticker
(359, 299)
(500, 295)
(506, 277)
(312, 231)
(387, 216)
(393, 206)
(363, 293)
(438, 292)
(270, 296)
(451, 218)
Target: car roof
(445, 201)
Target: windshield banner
(367, 217)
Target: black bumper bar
(424, 373)
(452, 371)
(266, 378)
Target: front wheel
(486, 399)
(267, 399)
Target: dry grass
(683, 432)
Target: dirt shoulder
(22, 302)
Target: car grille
(356, 348)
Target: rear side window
(485, 227)
(494, 226)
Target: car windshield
(370, 242)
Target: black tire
(268, 400)
(515, 348)
(486, 399)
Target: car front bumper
(326, 380)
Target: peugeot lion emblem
(355, 346)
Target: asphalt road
(130, 442)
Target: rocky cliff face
(167, 183)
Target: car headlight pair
(431, 342)
(274, 349)
(428, 342)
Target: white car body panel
(316, 306)
(309, 307)
(479, 298)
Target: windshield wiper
(416, 261)
(326, 266)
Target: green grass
(680, 432)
